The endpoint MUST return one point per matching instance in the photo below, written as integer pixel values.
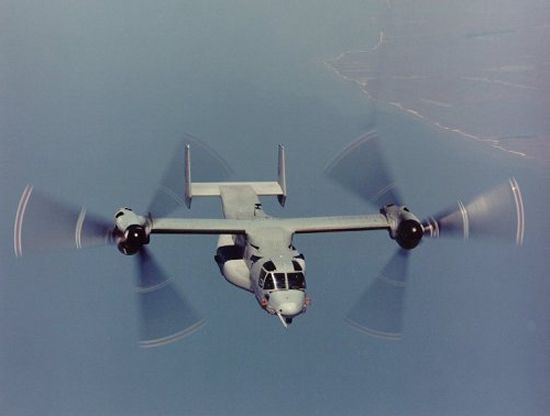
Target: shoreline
(494, 142)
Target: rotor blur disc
(495, 214)
(165, 315)
(380, 309)
(43, 223)
(361, 168)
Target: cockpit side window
(297, 266)
(269, 266)
(296, 281)
(268, 282)
(261, 278)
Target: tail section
(277, 188)
(281, 175)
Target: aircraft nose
(288, 302)
(290, 309)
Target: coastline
(471, 83)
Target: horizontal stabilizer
(213, 188)
(277, 188)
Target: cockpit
(282, 289)
(270, 279)
(292, 280)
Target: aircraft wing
(334, 224)
(199, 226)
(292, 225)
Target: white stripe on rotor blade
(351, 148)
(384, 190)
(19, 215)
(175, 196)
(520, 230)
(392, 282)
(465, 221)
(433, 226)
(78, 229)
(172, 338)
(149, 289)
(390, 336)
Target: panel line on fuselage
(239, 201)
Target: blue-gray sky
(93, 98)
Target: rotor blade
(379, 310)
(207, 166)
(496, 214)
(43, 223)
(165, 315)
(361, 168)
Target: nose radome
(288, 302)
(290, 309)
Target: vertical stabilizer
(281, 175)
(188, 192)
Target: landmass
(477, 69)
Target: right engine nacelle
(131, 232)
(405, 228)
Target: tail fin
(188, 192)
(213, 188)
(281, 175)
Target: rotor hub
(409, 234)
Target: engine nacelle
(131, 232)
(405, 228)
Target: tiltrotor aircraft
(255, 251)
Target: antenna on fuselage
(283, 320)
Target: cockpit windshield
(296, 281)
(272, 281)
(280, 280)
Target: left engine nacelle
(404, 226)
(131, 231)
